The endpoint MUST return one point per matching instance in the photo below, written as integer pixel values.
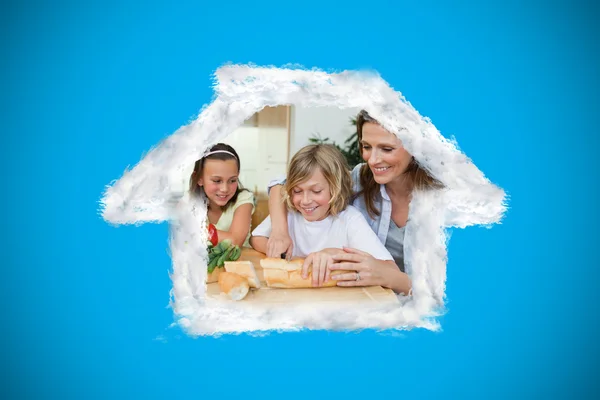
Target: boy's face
(311, 197)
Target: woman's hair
(219, 151)
(420, 179)
(334, 167)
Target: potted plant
(351, 151)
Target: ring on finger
(358, 276)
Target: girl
(384, 185)
(320, 220)
(230, 206)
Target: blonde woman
(383, 188)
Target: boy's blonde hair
(334, 167)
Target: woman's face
(220, 180)
(384, 153)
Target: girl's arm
(240, 226)
(259, 243)
(279, 241)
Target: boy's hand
(321, 262)
(278, 244)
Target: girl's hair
(334, 167)
(219, 151)
(420, 179)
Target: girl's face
(311, 197)
(384, 153)
(219, 180)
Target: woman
(383, 189)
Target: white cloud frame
(147, 193)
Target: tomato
(212, 234)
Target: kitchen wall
(268, 140)
(263, 147)
(328, 122)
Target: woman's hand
(368, 271)
(321, 262)
(278, 244)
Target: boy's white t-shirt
(348, 229)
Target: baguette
(214, 276)
(284, 274)
(245, 269)
(233, 285)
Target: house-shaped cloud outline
(150, 193)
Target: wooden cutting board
(267, 295)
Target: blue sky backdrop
(88, 87)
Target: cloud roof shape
(149, 192)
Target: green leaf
(236, 254)
(223, 257)
(212, 264)
(225, 244)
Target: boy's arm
(280, 240)
(333, 251)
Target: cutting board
(376, 294)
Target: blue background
(88, 87)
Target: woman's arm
(370, 271)
(279, 241)
(398, 281)
(240, 226)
